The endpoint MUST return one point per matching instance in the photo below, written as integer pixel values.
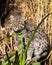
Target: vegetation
(19, 56)
(31, 8)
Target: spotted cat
(40, 45)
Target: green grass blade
(23, 61)
(0, 62)
(16, 62)
(21, 44)
(9, 62)
(37, 63)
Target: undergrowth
(19, 57)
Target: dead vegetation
(32, 10)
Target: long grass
(19, 57)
